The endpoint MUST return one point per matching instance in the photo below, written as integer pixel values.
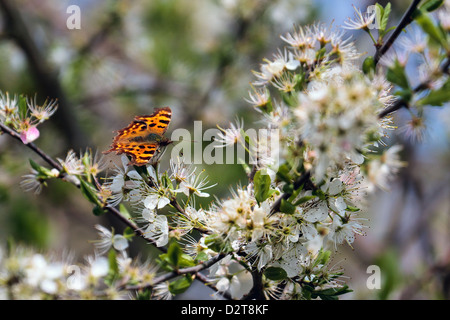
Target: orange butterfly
(143, 137)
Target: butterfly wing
(140, 152)
(132, 139)
(158, 122)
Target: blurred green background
(196, 57)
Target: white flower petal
(151, 201)
(119, 242)
(317, 213)
(340, 204)
(99, 267)
(162, 202)
(335, 187)
(134, 175)
(148, 214)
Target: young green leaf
(262, 186)
(113, 272)
(128, 233)
(180, 285)
(379, 12)
(330, 293)
(303, 200)
(283, 173)
(385, 18)
(88, 190)
(431, 5)
(287, 207)
(43, 172)
(436, 34)
(98, 210)
(174, 253)
(275, 273)
(124, 211)
(437, 97)
(368, 65)
(396, 74)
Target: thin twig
(405, 21)
(193, 270)
(420, 87)
(138, 231)
(32, 146)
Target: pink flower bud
(29, 135)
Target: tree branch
(193, 270)
(405, 21)
(420, 87)
(54, 164)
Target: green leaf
(368, 65)
(128, 233)
(426, 23)
(390, 29)
(405, 94)
(180, 285)
(275, 273)
(166, 182)
(392, 276)
(124, 211)
(283, 173)
(43, 172)
(299, 81)
(145, 294)
(431, 5)
(382, 17)
(396, 74)
(262, 186)
(379, 12)
(216, 243)
(287, 207)
(88, 190)
(113, 272)
(352, 209)
(201, 256)
(303, 200)
(320, 194)
(330, 293)
(185, 261)
(323, 257)
(98, 210)
(437, 97)
(174, 253)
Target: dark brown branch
(32, 146)
(405, 21)
(138, 231)
(192, 270)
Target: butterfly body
(143, 137)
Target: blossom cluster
(24, 114)
(29, 274)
